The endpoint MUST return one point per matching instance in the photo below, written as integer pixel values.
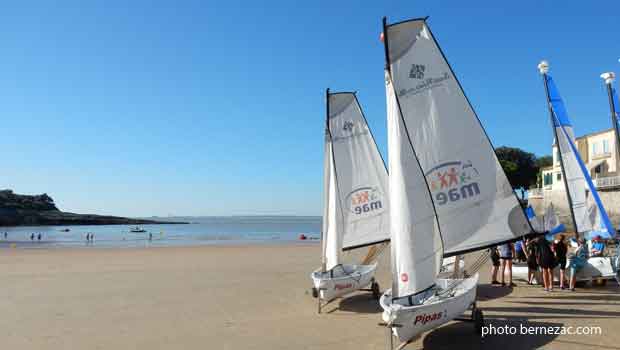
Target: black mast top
(609, 78)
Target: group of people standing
(90, 237)
(542, 256)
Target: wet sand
(248, 297)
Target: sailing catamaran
(448, 192)
(588, 220)
(549, 222)
(356, 206)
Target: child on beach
(520, 250)
(598, 247)
(577, 262)
(532, 266)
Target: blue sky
(217, 107)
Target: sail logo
(422, 84)
(365, 200)
(349, 130)
(417, 71)
(453, 181)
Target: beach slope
(246, 297)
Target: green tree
(542, 162)
(520, 166)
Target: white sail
(551, 220)
(588, 221)
(332, 227)
(574, 177)
(361, 175)
(416, 242)
(473, 199)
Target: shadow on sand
(489, 292)
(363, 303)
(580, 296)
(444, 337)
(549, 312)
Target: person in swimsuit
(506, 252)
(546, 261)
(495, 259)
(560, 249)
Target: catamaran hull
(330, 288)
(408, 322)
(605, 267)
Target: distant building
(598, 152)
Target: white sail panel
(332, 227)
(552, 221)
(574, 178)
(361, 175)
(416, 242)
(474, 201)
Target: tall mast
(325, 210)
(609, 79)
(543, 68)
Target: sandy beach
(248, 297)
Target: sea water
(199, 231)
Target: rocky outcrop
(38, 210)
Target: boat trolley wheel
(478, 319)
(315, 292)
(376, 290)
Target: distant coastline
(40, 210)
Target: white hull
(411, 321)
(342, 280)
(605, 267)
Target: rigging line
(479, 122)
(475, 267)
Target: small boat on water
(137, 229)
(65, 230)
